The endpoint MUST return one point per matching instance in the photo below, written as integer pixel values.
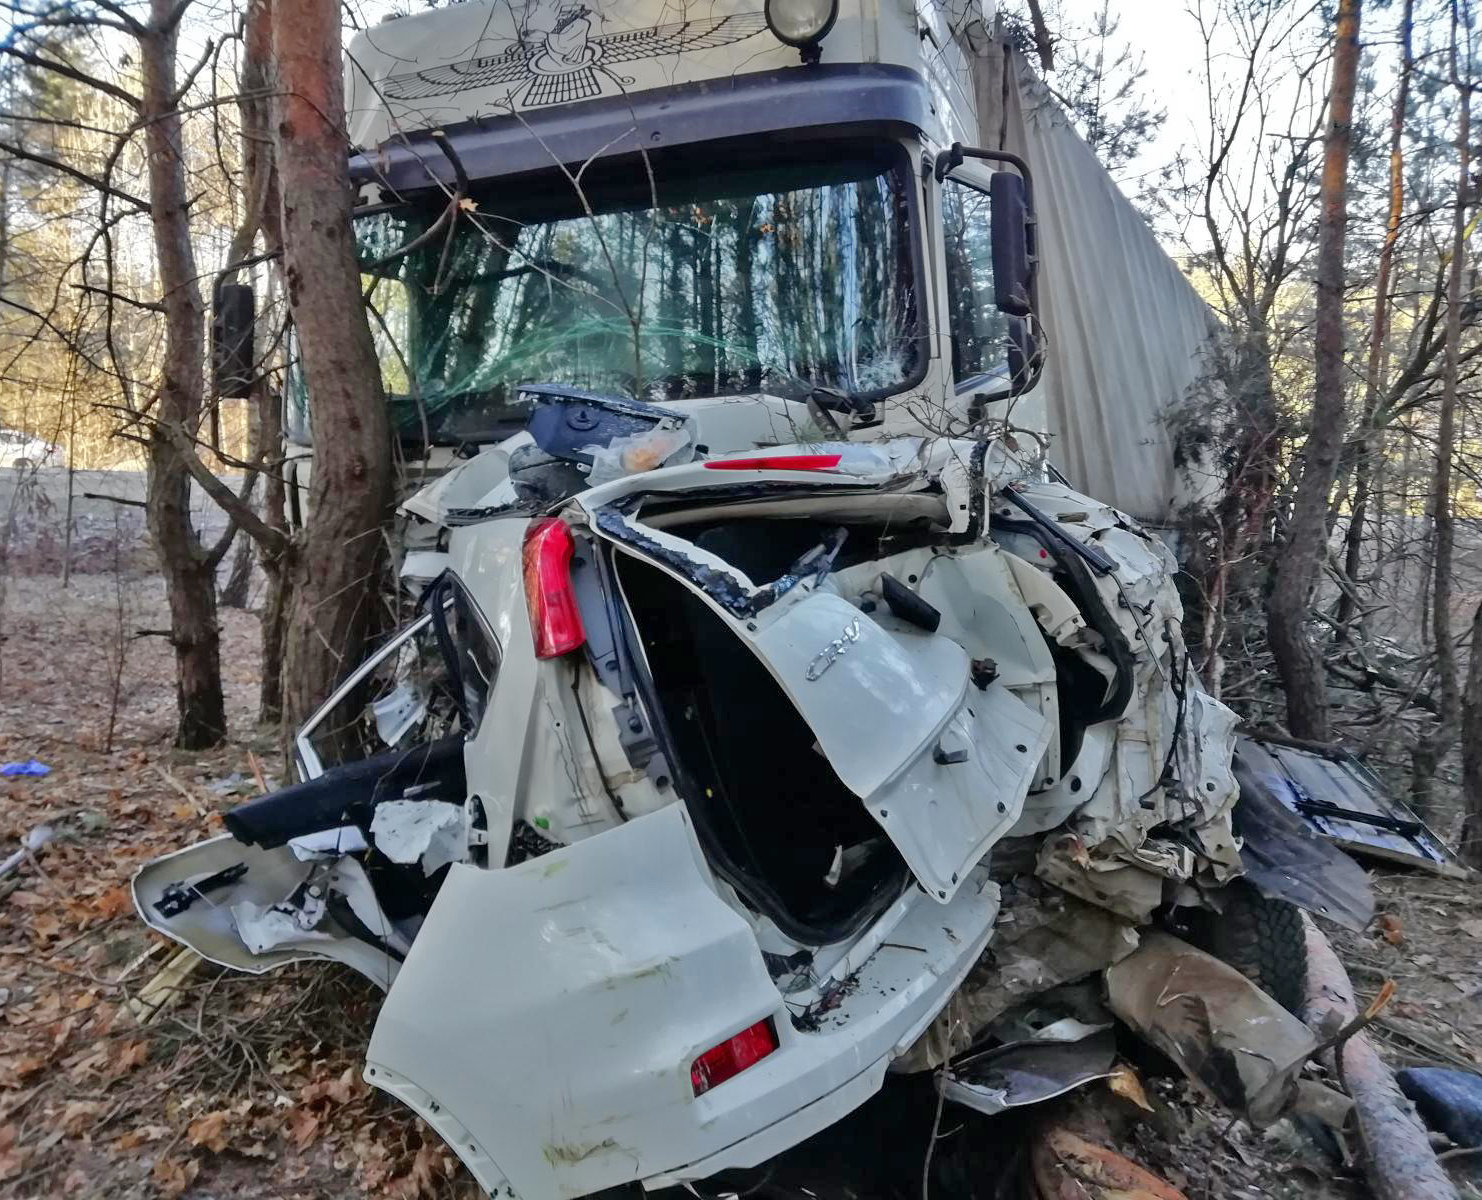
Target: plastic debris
(1029, 1072)
(328, 843)
(1449, 1101)
(427, 831)
(30, 767)
(398, 712)
(30, 844)
(264, 926)
(639, 452)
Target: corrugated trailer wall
(1125, 330)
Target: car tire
(1265, 941)
(22, 464)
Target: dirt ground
(251, 1086)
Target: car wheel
(22, 464)
(1263, 940)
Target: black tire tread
(1264, 940)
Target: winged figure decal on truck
(567, 62)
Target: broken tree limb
(165, 987)
(1398, 1157)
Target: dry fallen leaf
(78, 1115)
(209, 1131)
(301, 1127)
(1389, 928)
(130, 1055)
(1124, 1082)
(339, 1090)
(46, 925)
(114, 902)
(11, 1159)
(172, 1176)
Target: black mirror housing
(1023, 353)
(233, 350)
(1013, 263)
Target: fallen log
(1397, 1152)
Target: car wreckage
(774, 716)
(687, 806)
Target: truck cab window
(977, 327)
(390, 303)
(697, 274)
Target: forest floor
(250, 1086)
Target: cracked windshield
(772, 278)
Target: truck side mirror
(1022, 353)
(233, 322)
(1012, 238)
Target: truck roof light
(778, 462)
(733, 1056)
(555, 621)
(802, 23)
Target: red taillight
(554, 619)
(733, 1056)
(780, 462)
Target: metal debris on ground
(1222, 1031)
(1344, 801)
(1024, 1073)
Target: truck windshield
(742, 278)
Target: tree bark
(338, 566)
(1364, 464)
(1427, 755)
(1471, 752)
(188, 570)
(1245, 503)
(1296, 570)
(1399, 1163)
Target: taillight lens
(554, 619)
(733, 1056)
(780, 462)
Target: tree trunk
(1428, 754)
(1364, 464)
(188, 571)
(276, 602)
(237, 589)
(338, 566)
(1471, 752)
(1296, 571)
(265, 215)
(1245, 503)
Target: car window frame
(310, 765)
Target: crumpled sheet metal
(1043, 938)
(1125, 889)
(1030, 1072)
(1222, 1031)
(1285, 860)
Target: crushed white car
(680, 814)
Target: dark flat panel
(848, 96)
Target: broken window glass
(430, 680)
(742, 277)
